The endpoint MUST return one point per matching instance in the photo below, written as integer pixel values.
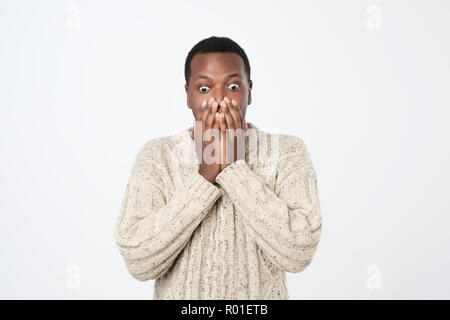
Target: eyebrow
(229, 76)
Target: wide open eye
(203, 89)
(236, 86)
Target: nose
(219, 93)
(219, 97)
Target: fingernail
(204, 104)
(227, 99)
(234, 102)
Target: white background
(365, 84)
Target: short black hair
(215, 44)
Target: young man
(240, 213)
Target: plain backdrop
(365, 84)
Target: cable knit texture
(234, 239)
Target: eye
(234, 84)
(203, 89)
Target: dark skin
(218, 94)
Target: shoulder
(156, 154)
(293, 152)
(292, 145)
(284, 144)
(293, 159)
(282, 151)
(157, 149)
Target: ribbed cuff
(235, 172)
(201, 189)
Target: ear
(186, 88)
(250, 86)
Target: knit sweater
(232, 239)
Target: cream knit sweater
(233, 239)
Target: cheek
(194, 103)
(243, 98)
(197, 111)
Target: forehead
(215, 64)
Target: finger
(212, 114)
(223, 128)
(233, 112)
(205, 113)
(222, 124)
(208, 109)
(238, 129)
(216, 124)
(241, 115)
(216, 139)
(204, 109)
(228, 117)
(230, 133)
(238, 109)
(244, 126)
(241, 134)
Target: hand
(231, 120)
(209, 170)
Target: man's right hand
(210, 168)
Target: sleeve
(151, 232)
(286, 222)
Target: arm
(151, 232)
(285, 223)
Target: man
(230, 223)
